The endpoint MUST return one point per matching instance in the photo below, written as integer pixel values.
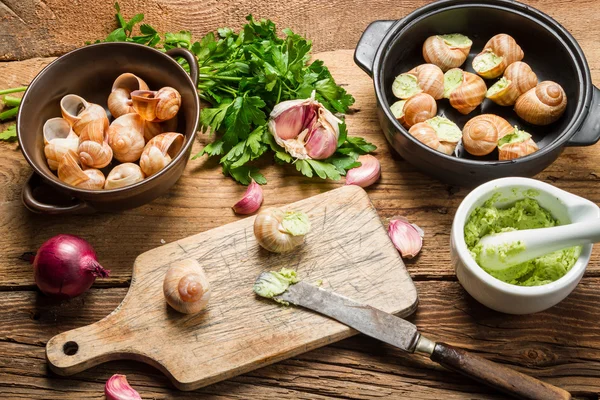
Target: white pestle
(534, 243)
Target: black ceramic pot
(388, 48)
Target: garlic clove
(321, 143)
(123, 175)
(186, 287)
(280, 232)
(406, 237)
(290, 122)
(252, 200)
(367, 174)
(117, 388)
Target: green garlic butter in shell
(457, 40)
(486, 61)
(498, 87)
(453, 78)
(405, 86)
(446, 130)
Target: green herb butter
(271, 284)
(405, 86)
(452, 79)
(446, 130)
(456, 40)
(486, 61)
(497, 87)
(295, 223)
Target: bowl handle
(191, 60)
(37, 206)
(369, 43)
(589, 132)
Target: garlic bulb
(117, 388)
(447, 51)
(466, 91)
(186, 286)
(439, 133)
(119, 100)
(158, 105)
(305, 128)
(418, 108)
(518, 78)
(69, 170)
(516, 144)
(159, 152)
(123, 175)
(480, 134)
(280, 232)
(126, 137)
(96, 179)
(59, 138)
(406, 237)
(498, 53)
(253, 198)
(94, 155)
(88, 120)
(543, 104)
(427, 78)
(367, 174)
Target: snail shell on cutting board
(186, 286)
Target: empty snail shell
(158, 105)
(159, 152)
(465, 90)
(119, 100)
(480, 134)
(543, 104)
(69, 170)
(447, 51)
(123, 175)
(498, 53)
(88, 120)
(280, 232)
(427, 135)
(96, 179)
(427, 78)
(94, 155)
(126, 137)
(58, 139)
(518, 78)
(510, 151)
(418, 108)
(186, 286)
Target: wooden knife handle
(498, 376)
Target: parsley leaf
(9, 134)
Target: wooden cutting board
(348, 248)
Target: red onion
(65, 266)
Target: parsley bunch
(243, 76)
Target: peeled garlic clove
(168, 104)
(94, 155)
(499, 52)
(406, 237)
(447, 51)
(88, 120)
(367, 174)
(159, 152)
(123, 175)
(96, 179)
(69, 170)
(480, 134)
(126, 137)
(426, 78)
(518, 79)
(186, 286)
(119, 100)
(251, 201)
(117, 388)
(465, 93)
(58, 139)
(516, 144)
(439, 133)
(543, 104)
(280, 232)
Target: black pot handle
(39, 207)
(191, 60)
(589, 132)
(369, 43)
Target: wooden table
(561, 345)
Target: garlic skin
(252, 200)
(446, 53)
(117, 388)
(123, 175)
(59, 138)
(280, 232)
(305, 128)
(367, 174)
(480, 134)
(119, 100)
(542, 105)
(69, 170)
(186, 287)
(406, 237)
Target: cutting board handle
(496, 375)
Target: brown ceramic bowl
(89, 72)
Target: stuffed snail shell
(447, 51)
(543, 104)
(418, 108)
(439, 133)
(518, 78)
(426, 78)
(498, 53)
(480, 134)
(466, 91)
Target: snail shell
(88, 120)
(425, 134)
(69, 170)
(543, 104)
(126, 137)
(469, 94)
(96, 179)
(58, 139)
(158, 105)
(502, 46)
(446, 55)
(418, 108)
(94, 155)
(123, 175)
(519, 78)
(480, 134)
(119, 100)
(430, 79)
(186, 287)
(270, 233)
(510, 151)
(159, 151)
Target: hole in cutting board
(70, 348)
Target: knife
(404, 335)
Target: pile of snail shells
(141, 138)
(418, 89)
